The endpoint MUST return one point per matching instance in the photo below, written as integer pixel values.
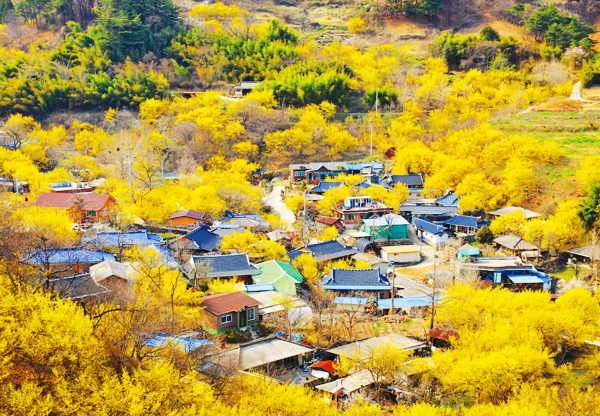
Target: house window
(226, 319)
(191, 225)
(300, 173)
(251, 316)
(104, 212)
(91, 213)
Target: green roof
(282, 276)
(293, 273)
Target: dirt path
(278, 206)
(576, 93)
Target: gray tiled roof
(227, 265)
(328, 250)
(358, 278)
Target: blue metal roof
(133, 238)
(525, 279)
(412, 302)
(428, 226)
(204, 239)
(326, 186)
(340, 300)
(448, 200)
(188, 344)
(467, 221)
(361, 279)
(75, 255)
(266, 287)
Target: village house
(200, 240)
(68, 261)
(465, 225)
(432, 233)
(529, 214)
(117, 277)
(80, 288)
(190, 346)
(387, 227)
(437, 213)
(414, 182)
(70, 188)
(510, 272)
(244, 87)
(401, 254)
(515, 246)
(284, 278)
(361, 283)
(272, 302)
(228, 310)
(367, 346)
(320, 171)
(324, 186)
(355, 209)
(130, 239)
(224, 266)
(326, 251)
(585, 254)
(448, 200)
(277, 358)
(322, 222)
(187, 218)
(82, 208)
(242, 220)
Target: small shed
(388, 227)
(467, 251)
(401, 254)
(353, 304)
(364, 245)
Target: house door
(243, 317)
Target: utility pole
(371, 139)
(304, 220)
(393, 267)
(130, 191)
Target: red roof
(443, 334)
(197, 215)
(324, 365)
(227, 302)
(93, 202)
(326, 220)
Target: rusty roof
(227, 302)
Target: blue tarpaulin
(350, 301)
(412, 302)
(259, 288)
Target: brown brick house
(228, 310)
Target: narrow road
(427, 250)
(278, 206)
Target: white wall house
(401, 254)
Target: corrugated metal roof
(508, 210)
(367, 345)
(75, 255)
(401, 249)
(525, 279)
(467, 221)
(348, 384)
(261, 352)
(188, 213)
(132, 238)
(227, 302)
(450, 199)
(514, 242)
(326, 186)
(205, 239)
(77, 287)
